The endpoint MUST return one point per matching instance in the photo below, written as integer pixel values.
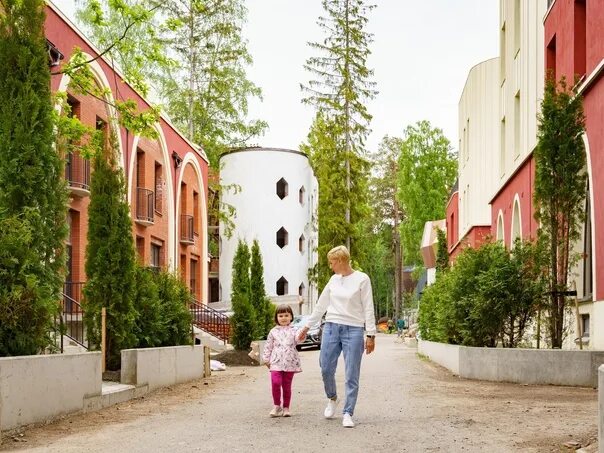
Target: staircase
(211, 327)
(71, 325)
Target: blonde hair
(339, 253)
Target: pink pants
(282, 380)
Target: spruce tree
(110, 258)
(263, 307)
(339, 92)
(560, 187)
(33, 195)
(243, 321)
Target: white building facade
(276, 203)
(478, 145)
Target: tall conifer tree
(339, 92)
(110, 258)
(560, 187)
(262, 304)
(33, 194)
(243, 321)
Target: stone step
(206, 339)
(113, 393)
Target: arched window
(301, 194)
(500, 235)
(301, 289)
(516, 223)
(301, 243)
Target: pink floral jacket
(280, 349)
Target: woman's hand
(302, 334)
(369, 345)
(268, 365)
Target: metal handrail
(72, 322)
(144, 204)
(74, 290)
(212, 321)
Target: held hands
(369, 345)
(302, 334)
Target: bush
(27, 304)
(175, 299)
(490, 295)
(149, 326)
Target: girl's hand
(268, 365)
(302, 334)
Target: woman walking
(348, 303)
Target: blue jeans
(339, 338)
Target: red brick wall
(189, 252)
(149, 154)
(521, 183)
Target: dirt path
(405, 405)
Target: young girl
(281, 357)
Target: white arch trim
(592, 213)
(500, 231)
(191, 159)
(169, 186)
(101, 79)
(516, 215)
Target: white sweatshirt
(347, 300)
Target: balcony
(77, 175)
(144, 206)
(214, 267)
(186, 230)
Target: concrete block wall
(523, 366)
(37, 388)
(160, 367)
(446, 355)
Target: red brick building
(574, 49)
(166, 177)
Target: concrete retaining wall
(38, 388)
(446, 355)
(524, 366)
(160, 367)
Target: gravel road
(406, 404)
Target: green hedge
(488, 297)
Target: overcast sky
(421, 55)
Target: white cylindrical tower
(276, 203)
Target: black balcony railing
(144, 205)
(186, 229)
(77, 172)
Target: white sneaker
(276, 412)
(347, 421)
(330, 410)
